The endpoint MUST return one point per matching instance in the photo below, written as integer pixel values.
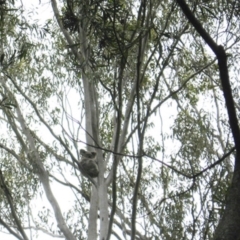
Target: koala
(88, 163)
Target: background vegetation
(152, 87)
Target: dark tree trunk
(229, 225)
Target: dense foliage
(134, 81)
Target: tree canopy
(151, 88)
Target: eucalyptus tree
(228, 227)
(134, 82)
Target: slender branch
(10, 202)
(34, 158)
(223, 70)
(199, 173)
(65, 32)
(141, 130)
(116, 143)
(10, 230)
(197, 25)
(68, 184)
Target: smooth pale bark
(92, 133)
(43, 177)
(93, 214)
(91, 111)
(37, 165)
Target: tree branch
(223, 69)
(10, 202)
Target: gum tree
(136, 83)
